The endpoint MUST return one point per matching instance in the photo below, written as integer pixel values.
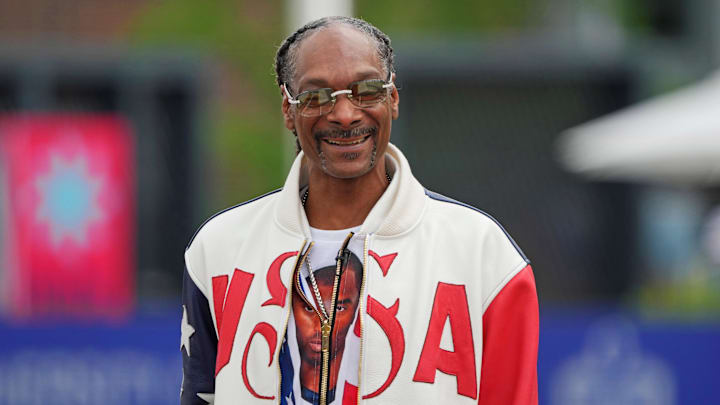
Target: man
(442, 287)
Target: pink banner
(67, 192)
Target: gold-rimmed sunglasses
(362, 94)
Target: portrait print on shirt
(304, 339)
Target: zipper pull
(343, 257)
(325, 330)
(344, 253)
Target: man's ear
(394, 99)
(287, 110)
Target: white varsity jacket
(448, 307)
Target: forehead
(337, 55)
(348, 287)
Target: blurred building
(498, 98)
(72, 58)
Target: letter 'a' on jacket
(448, 309)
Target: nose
(344, 113)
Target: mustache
(350, 133)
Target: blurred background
(590, 129)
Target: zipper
(329, 323)
(298, 263)
(325, 329)
(287, 318)
(360, 316)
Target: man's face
(334, 57)
(308, 323)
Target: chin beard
(373, 157)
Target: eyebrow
(345, 301)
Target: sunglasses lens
(368, 92)
(315, 102)
(315, 98)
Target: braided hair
(287, 53)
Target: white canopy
(674, 138)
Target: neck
(335, 203)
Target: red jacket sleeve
(510, 342)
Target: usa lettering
(450, 307)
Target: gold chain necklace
(316, 290)
(304, 198)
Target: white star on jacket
(186, 331)
(209, 398)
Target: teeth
(337, 142)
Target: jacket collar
(397, 211)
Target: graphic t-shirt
(300, 358)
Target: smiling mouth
(346, 142)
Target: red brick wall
(68, 19)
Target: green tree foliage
(447, 17)
(244, 124)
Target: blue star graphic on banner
(68, 199)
